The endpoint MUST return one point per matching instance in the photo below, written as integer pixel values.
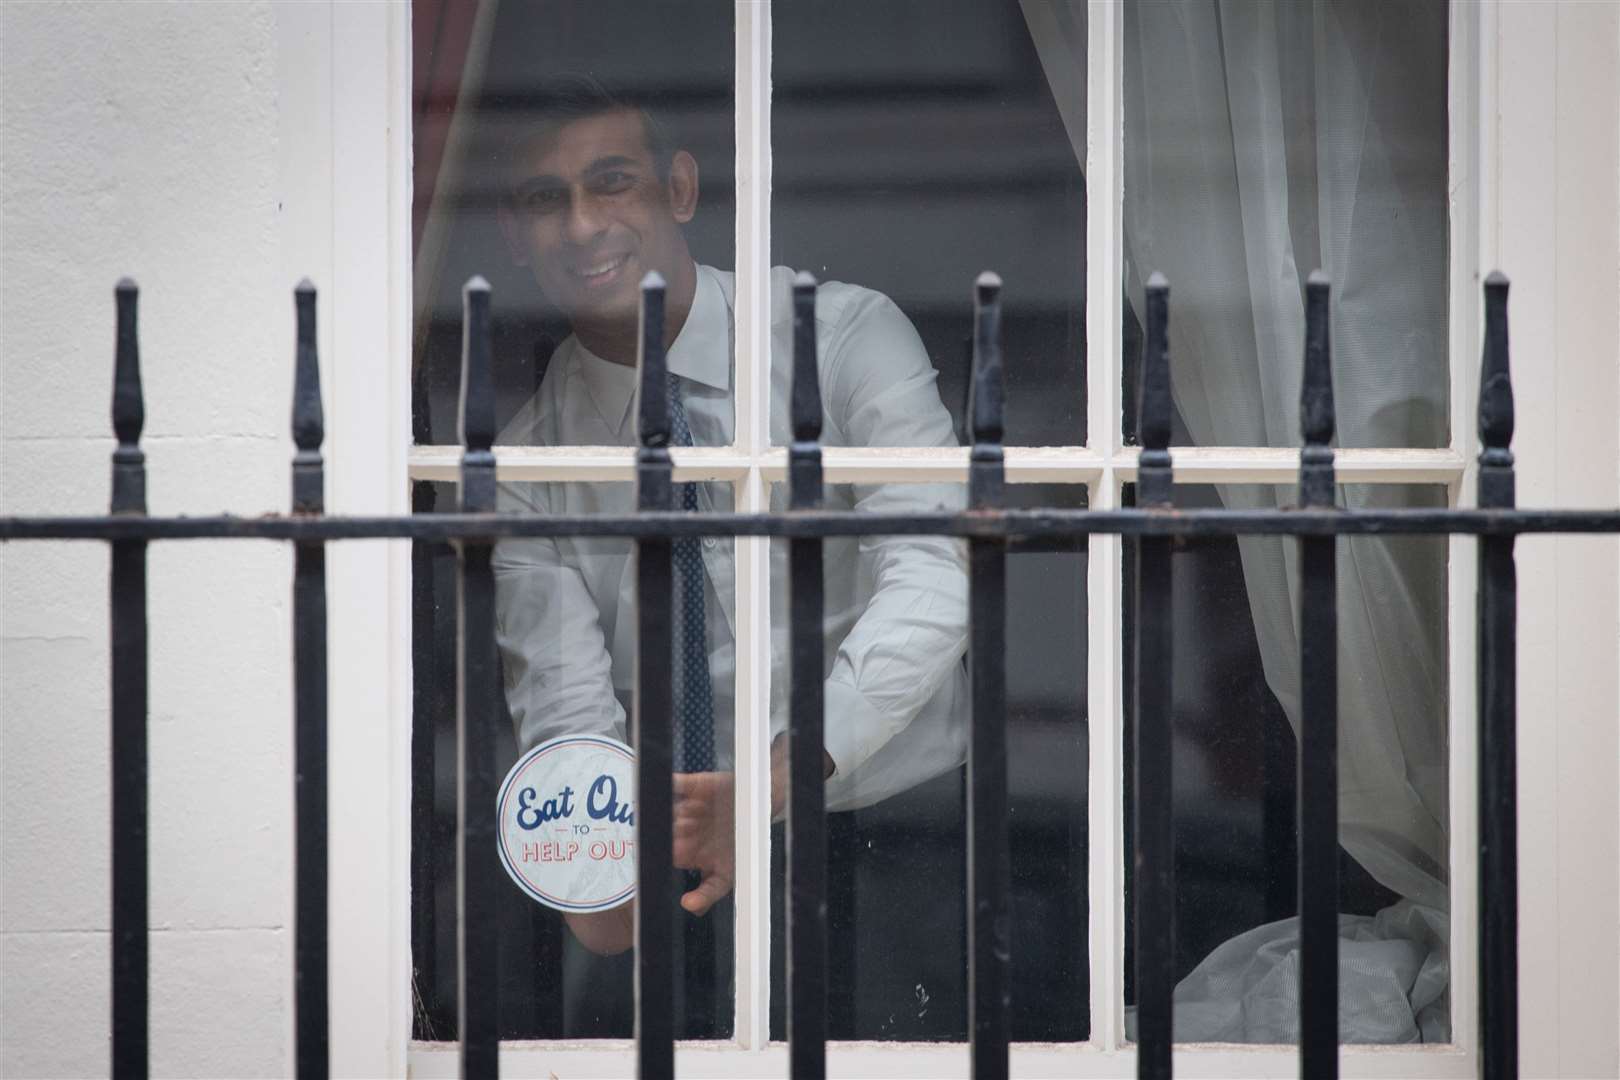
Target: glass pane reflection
(1235, 705)
(1263, 141)
(566, 625)
(561, 150)
(897, 886)
(916, 143)
(581, 136)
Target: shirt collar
(701, 352)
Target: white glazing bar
(594, 464)
(1471, 170)
(932, 464)
(936, 464)
(1463, 791)
(1105, 804)
(1104, 244)
(363, 51)
(753, 343)
(1263, 465)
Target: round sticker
(568, 825)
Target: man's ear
(683, 186)
(512, 234)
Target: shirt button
(709, 542)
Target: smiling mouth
(601, 272)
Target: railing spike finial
(655, 424)
(1316, 418)
(986, 398)
(308, 419)
(806, 401)
(1153, 401)
(128, 407)
(804, 456)
(1495, 384)
(654, 427)
(477, 399)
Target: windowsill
(895, 1060)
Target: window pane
(916, 143)
(566, 627)
(585, 144)
(1235, 710)
(896, 633)
(1263, 141)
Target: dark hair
(565, 98)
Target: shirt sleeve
(558, 675)
(912, 635)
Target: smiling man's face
(590, 215)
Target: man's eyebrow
(531, 184)
(612, 161)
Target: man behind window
(596, 198)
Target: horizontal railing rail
(990, 529)
(1021, 524)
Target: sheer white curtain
(1264, 139)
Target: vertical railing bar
(806, 802)
(427, 1006)
(1318, 791)
(130, 1012)
(1498, 687)
(653, 731)
(1155, 835)
(425, 854)
(479, 877)
(988, 870)
(311, 998)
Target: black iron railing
(988, 528)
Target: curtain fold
(1263, 139)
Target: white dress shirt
(896, 607)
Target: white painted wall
(216, 153)
(142, 140)
(1557, 209)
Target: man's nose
(585, 219)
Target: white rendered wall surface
(216, 153)
(142, 139)
(1556, 212)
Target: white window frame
(1524, 188)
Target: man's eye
(543, 200)
(614, 181)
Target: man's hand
(779, 774)
(705, 835)
(607, 933)
(705, 827)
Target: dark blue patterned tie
(694, 697)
